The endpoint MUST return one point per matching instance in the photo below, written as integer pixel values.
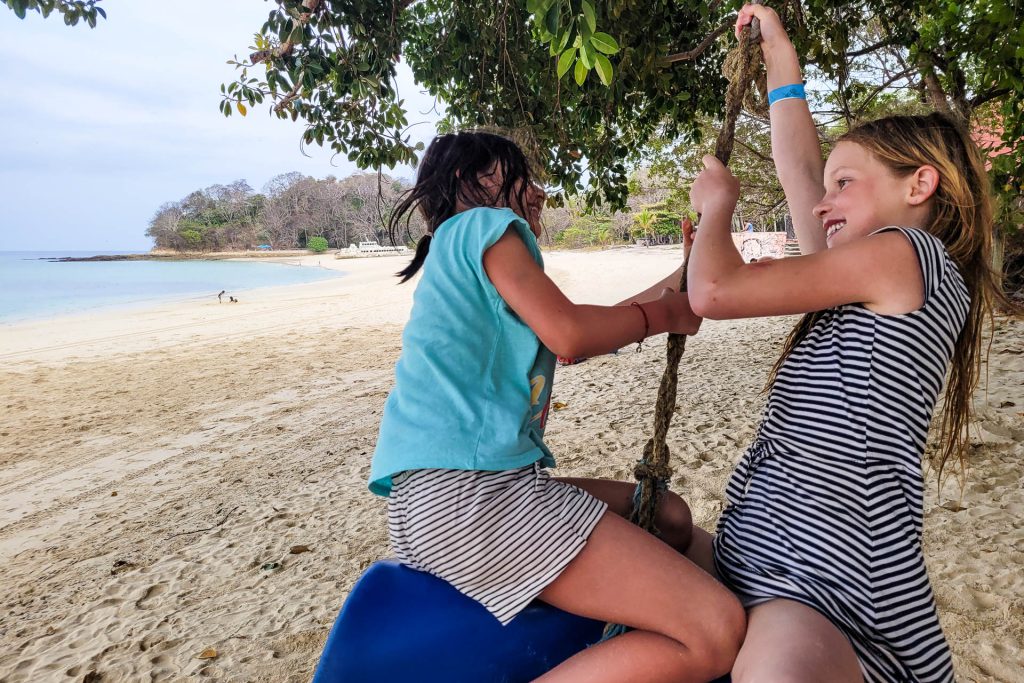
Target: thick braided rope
(653, 470)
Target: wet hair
(961, 217)
(450, 173)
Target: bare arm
(795, 146)
(576, 330)
(654, 292)
(880, 271)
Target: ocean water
(31, 287)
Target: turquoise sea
(32, 287)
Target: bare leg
(789, 641)
(672, 518)
(701, 552)
(688, 626)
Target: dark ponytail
(450, 173)
(422, 247)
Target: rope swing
(652, 471)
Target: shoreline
(179, 256)
(284, 255)
(346, 265)
(303, 259)
(361, 295)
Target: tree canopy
(517, 65)
(73, 11)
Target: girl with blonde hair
(821, 535)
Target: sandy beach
(183, 487)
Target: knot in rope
(747, 54)
(647, 470)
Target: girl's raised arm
(795, 145)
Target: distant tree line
(293, 209)
(290, 210)
(652, 215)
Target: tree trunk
(936, 95)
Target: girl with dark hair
(461, 454)
(821, 536)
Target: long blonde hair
(961, 216)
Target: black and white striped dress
(825, 507)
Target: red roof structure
(990, 141)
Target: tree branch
(697, 51)
(936, 95)
(291, 96)
(871, 48)
(760, 155)
(285, 48)
(982, 98)
(874, 93)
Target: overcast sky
(101, 126)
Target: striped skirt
(498, 537)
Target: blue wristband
(787, 92)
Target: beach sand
(192, 477)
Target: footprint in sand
(154, 591)
(984, 600)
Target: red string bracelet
(647, 326)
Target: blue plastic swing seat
(399, 624)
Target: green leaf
(589, 16)
(587, 55)
(603, 42)
(559, 43)
(581, 72)
(551, 20)
(603, 68)
(565, 61)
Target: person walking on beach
(461, 454)
(222, 293)
(821, 534)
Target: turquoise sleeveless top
(473, 383)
